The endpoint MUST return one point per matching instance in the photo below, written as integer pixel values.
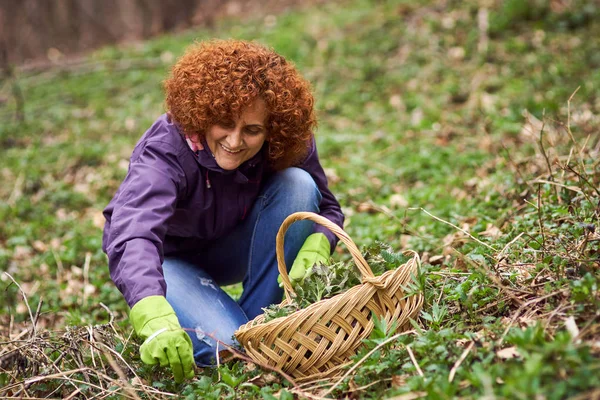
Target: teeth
(229, 150)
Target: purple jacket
(173, 200)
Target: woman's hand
(315, 250)
(166, 343)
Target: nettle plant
(324, 282)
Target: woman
(208, 186)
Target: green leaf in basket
(324, 282)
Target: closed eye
(254, 130)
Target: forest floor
(467, 131)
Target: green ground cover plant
(466, 131)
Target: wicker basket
(319, 340)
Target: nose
(234, 139)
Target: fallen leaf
(89, 289)
(398, 201)
(572, 328)
(55, 243)
(22, 252)
(356, 191)
(416, 116)
(137, 381)
(437, 260)
(40, 246)
(331, 175)
(491, 231)
(371, 208)
(398, 381)
(397, 103)
(96, 216)
(123, 164)
(61, 214)
(508, 353)
(457, 53)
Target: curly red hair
(218, 79)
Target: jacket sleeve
(137, 220)
(329, 207)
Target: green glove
(315, 250)
(166, 343)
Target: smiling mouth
(228, 150)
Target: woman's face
(237, 140)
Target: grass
(478, 150)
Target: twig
(441, 292)
(241, 356)
(459, 361)
(58, 375)
(73, 394)
(125, 384)
(112, 316)
(522, 307)
(501, 254)
(569, 118)
(355, 366)
(218, 362)
(79, 381)
(86, 276)
(488, 306)
(460, 229)
(541, 143)
(90, 330)
(26, 302)
(540, 216)
(483, 25)
(368, 385)
(11, 325)
(414, 360)
(59, 266)
(571, 188)
(17, 189)
(494, 279)
(575, 145)
(567, 162)
(587, 139)
(119, 356)
(580, 176)
(37, 315)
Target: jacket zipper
(208, 186)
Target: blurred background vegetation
(485, 114)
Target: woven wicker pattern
(320, 339)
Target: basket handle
(359, 260)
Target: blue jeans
(246, 254)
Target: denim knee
(297, 188)
(206, 312)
